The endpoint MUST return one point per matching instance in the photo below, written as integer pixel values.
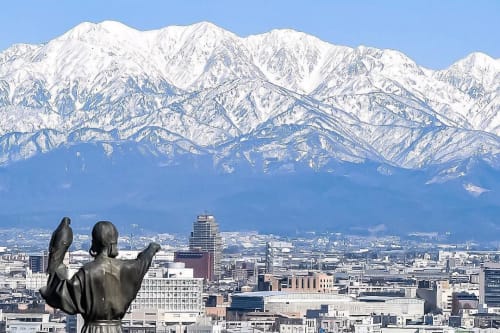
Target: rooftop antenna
(255, 270)
(134, 226)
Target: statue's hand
(60, 241)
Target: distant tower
(205, 237)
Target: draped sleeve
(63, 293)
(144, 259)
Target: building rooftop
(295, 295)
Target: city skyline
(330, 284)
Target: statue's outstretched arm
(137, 268)
(145, 258)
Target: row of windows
(169, 295)
(493, 285)
(193, 305)
(170, 291)
(169, 308)
(159, 288)
(168, 299)
(170, 282)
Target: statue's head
(104, 238)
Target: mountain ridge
(281, 102)
(283, 98)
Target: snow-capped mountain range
(107, 122)
(283, 98)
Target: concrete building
(30, 323)
(204, 325)
(489, 286)
(167, 296)
(35, 281)
(463, 302)
(295, 324)
(355, 289)
(284, 302)
(367, 328)
(199, 261)
(215, 307)
(278, 256)
(206, 237)
(299, 303)
(312, 282)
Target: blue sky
(435, 33)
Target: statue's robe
(101, 291)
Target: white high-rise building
(206, 237)
(278, 255)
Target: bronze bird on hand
(60, 241)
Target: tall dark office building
(205, 237)
(489, 285)
(38, 263)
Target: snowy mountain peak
(205, 26)
(114, 26)
(477, 76)
(190, 33)
(102, 34)
(285, 36)
(477, 59)
(82, 30)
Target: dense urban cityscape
(215, 281)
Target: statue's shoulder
(125, 262)
(91, 265)
(109, 264)
(98, 265)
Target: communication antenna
(134, 226)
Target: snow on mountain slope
(477, 76)
(282, 98)
(294, 60)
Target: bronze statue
(102, 290)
